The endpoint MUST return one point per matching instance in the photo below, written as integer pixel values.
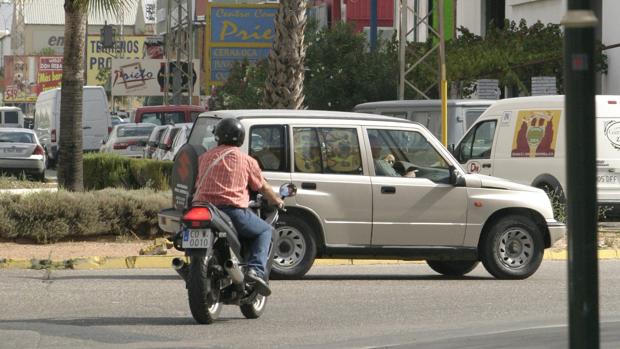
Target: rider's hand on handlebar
(279, 203)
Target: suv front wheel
(295, 248)
(512, 248)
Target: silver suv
(374, 186)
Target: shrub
(48, 217)
(111, 170)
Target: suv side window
(407, 151)
(327, 150)
(267, 146)
(478, 142)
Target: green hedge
(110, 170)
(48, 217)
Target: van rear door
(95, 118)
(608, 148)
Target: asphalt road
(400, 306)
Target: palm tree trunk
(70, 171)
(285, 79)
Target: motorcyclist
(230, 173)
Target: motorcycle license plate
(196, 238)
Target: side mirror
(288, 190)
(456, 179)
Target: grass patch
(7, 182)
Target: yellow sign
(536, 132)
(99, 58)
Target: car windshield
(141, 131)
(16, 137)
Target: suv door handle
(486, 165)
(388, 190)
(309, 186)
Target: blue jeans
(257, 231)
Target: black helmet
(229, 131)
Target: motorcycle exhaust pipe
(180, 267)
(232, 267)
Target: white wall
(469, 14)
(546, 11)
(611, 36)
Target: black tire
(452, 268)
(512, 248)
(203, 303)
(295, 248)
(255, 309)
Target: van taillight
(53, 135)
(38, 150)
(109, 129)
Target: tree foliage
(341, 71)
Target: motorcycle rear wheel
(255, 309)
(203, 301)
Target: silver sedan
(21, 153)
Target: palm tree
(70, 172)
(285, 79)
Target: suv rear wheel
(295, 248)
(512, 248)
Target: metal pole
(580, 23)
(190, 56)
(443, 83)
(167, 50)
(373, 25)
(402, 47)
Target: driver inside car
(384, 165)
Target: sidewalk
(127, 255)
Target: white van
(11, 117)
(462, 113)
(523, 139)
(96, 121)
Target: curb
(164, 262)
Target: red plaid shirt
(228, 181)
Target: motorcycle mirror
(288, 189)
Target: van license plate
(135, 148)
(196, 238)
(608, 179)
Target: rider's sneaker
(257, 282)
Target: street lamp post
(579, 38)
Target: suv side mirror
(456, 179)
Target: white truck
(96, 121)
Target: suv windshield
(202, 133)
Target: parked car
(179, 140)
(154, 139)
(117, 120)
(21, 153)
(344, 209)
(523, 139)
(165, 145)
(11, 117)
(96, 122)
(128, 139)
(168, 114)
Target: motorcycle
(215, 274)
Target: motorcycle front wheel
(202, 291)
(255, 309)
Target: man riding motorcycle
(224, 176)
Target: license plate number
(135, 147)
(196, 238)
(608, 179)
(10, 150)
